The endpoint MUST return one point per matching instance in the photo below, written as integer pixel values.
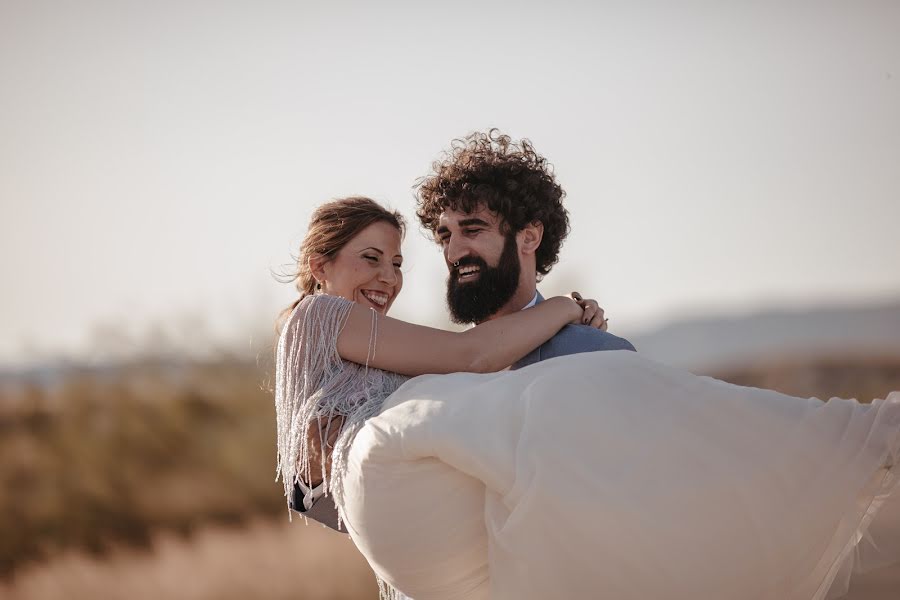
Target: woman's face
(367, 269)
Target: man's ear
(530, 237)
(316, 264)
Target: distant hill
(710, 345)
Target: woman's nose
(389, 275)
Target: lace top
(313, 385)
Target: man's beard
(475, 301)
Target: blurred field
(156, 480)
(98, 456)
(863, 378)
(272, 560)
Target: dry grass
(102, 457)
(262, 561)
(858, 377)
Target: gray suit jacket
(571, 339)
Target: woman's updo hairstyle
(333, 225)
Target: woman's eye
(398, 265)
(371, 258)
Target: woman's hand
(574, 309)
(592, 314)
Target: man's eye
(398, 265)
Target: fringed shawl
(313, 386)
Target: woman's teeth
(376, 298)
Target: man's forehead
(451, 216)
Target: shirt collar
(529, 305)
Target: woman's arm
(411, 349)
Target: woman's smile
(378, 300)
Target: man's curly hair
(510, 179)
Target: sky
(160, 161)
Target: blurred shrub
(114, 455)
(858, 377)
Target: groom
(496, 209)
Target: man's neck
(524, 294)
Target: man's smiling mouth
(467, 272)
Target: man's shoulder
(582, 338)
(573, 339)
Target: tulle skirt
(607, 475)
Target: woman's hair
(333, 225)
(510, 179)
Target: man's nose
(455, 250)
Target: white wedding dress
(607, 475)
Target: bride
(600, 474)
